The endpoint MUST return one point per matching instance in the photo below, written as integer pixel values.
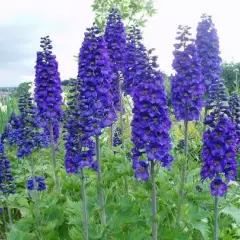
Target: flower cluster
(117, 137)
(9, 134)
(219, 155)
(115, 38)
(234, 104)
(187, 85)
(217, 103)
(6, 179)
(36, 183)
(79, 147)
(135, 60)
(151, 123)
(208, 51)
(28, 137)
(47, 86)
(94, 76)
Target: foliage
(229, 75)
(23, 88)
(133, 11)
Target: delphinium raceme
(115, 38)
(219, 146)
(208, 51)
(135, 60)
(7, 185)
(150, 129)
(187, 89)
(95, 102)
(48, 96)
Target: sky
(22, 23)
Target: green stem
(216, 226)
(111, 136)
(154, 203)
(57, 180)
(100, 184)
(9, 212)
(4, 220)
(183, 172)
(85, 213)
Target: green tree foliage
(229, 75)
(133, 11)
(23, 88)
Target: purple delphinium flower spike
(29, 136)
(115, 38)
(79, 146)
(219, 142)
(6, 179)
(48, 88)
(151, 122)
(135, 60)
(187, 87)
(208, 51)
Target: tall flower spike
(94, 76)
(217, 103)
(135, 60)
(219, 155)
(187, 84)
(6, 179)
(79, 146)
(29, 136)
(47, 86)
(208, 51)
(115, 38)
(151, 122)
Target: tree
(133, 11)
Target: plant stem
(111, 136)
(57, 180)
(9, 212)
(154, 203)
(216, 227)
(100, 184)
(183, 171)
(4, 220)
(85, 213)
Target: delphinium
(208, 51)
(187, 89)
(219, 146)
(79, 146)
(115, 38)
(48, 95)
(150, 129)
(9, 135)
(135, 60)
(36, 183)
(7, 185)
(93, 107)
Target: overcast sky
(22, 23)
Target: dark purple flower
(219, 155)
(6, 179)
(218, 187)
(36, 183)
(208, 51)
(48, 88)
(135, 60)
(141, 171)
(187, 87)
(151, 122)
(115, 38)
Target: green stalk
(4, 220)
(111, 136)
(9, 212)
(216, 226)
(100, 185)
(154, 203)
(183, 171)
(57, 180)
(85, 213)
